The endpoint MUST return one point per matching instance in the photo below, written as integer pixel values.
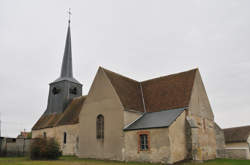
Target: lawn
(76, 161)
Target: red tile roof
(163, 93)
(128, 90)
(168, 92)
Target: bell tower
(66, 87)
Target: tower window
(55, 90)
(100, 127)
(73, 90)
(64, 137)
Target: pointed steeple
(66, 70)
(66, 87)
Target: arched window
(64, 137)
(100, 127)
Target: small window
(44, 135)
(143, 141)
(55, 91)
(73, 90)
(100, 127)
(64, 137)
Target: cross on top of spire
(69, 12)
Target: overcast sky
(141, 39)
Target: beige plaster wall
(239, 145)
(203, 137)
(102, 99)
(50, 132)
(130, 117)
(72, 144)
(199, 103)
(159, 146)
(177, 136)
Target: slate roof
(69, 116)
(155, 119)
(163, 93)
(67, 69)
(236, 134)
(71, 79)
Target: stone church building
(166, 119)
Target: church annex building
(166, 119)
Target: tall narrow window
(44, 135)
(143, 141)
(64, 137)
(100, 127)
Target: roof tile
(69, 116)
(237, 134)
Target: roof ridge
(118, 74)
(182, 108)
(195, 69)
(236, 127)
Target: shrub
(45, 149)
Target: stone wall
(159, 146)
(200, 112)
(72, 139)
(237, 150)
(166, 145)
(203, 140)
(237, 153)
(15, 147)
(220, 142)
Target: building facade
(166, 119)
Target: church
(166, 119)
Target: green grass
(70, 160)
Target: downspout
(143, 102)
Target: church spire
(66, 87)
(67, 70)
